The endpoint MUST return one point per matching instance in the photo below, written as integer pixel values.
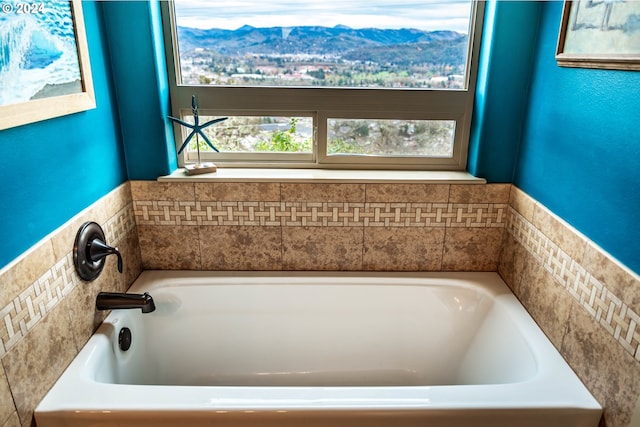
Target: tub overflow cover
(124, 339)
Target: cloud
(426, 14)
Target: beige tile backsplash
(295, 226)
(583, 299)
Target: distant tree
(317, 74)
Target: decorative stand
(197, 130)
(199, 167)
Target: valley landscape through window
(342, 55)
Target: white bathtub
(321, 349)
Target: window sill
(325, 175)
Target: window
(330, 84)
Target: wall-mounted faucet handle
(99, 249)
(90, 249)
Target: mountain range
(444, 47)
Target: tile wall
(586, 303)
(293, 226)
(47, 312)
(584, 300)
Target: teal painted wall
(51, 170)
(580, 150)
(504, 72)
(140, 74)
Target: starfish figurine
(196, 127)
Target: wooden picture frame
(600, 34)
(36, 69)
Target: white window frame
(321, 103)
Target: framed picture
(44, 62)
(600, 34)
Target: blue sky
(231, 14)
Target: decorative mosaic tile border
(320, 214)
(606, 308)
(25, 311)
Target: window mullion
(321, 137)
